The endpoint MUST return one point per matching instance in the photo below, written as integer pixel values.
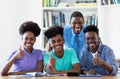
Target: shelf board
(88, 8)
(109, 6)
(44, 29)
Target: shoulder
(69, 50)
(11, 54)
(67, 28)
(38, 51)
(105, 47)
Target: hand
(19, 53)
(48, 47)
(52, 61)
(91, 71)
(97, 60)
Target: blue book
(90, 75)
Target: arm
(19, 54)
(73, 60)
(39, 69)
(76, 68)
(7, 67)
(109, 63)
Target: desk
(60, 77)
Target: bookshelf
(107, 15)
(52, 13)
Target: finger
(96, 55)
(51, 56)
(20, 48)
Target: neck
(29, 50)
(94, 50)
(59, 54)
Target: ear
(35, 39)
(22, 37)
(99, 39)
(63, 41)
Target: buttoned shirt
(105, 53)
(69, 36)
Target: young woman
(26, 58)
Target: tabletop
(59, 77)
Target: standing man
(73, 33)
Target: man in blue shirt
(97, 57)
(73, 33)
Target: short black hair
(29, 26)
(91, 28)
(53, 31)
(76, 14)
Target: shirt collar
(26, 51)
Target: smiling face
(28, 41)
(57, 43)
(77, 24)
(92, 40)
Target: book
(85, 4)
(90, 75)
(34, 74)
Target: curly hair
(53, 31)
(30, 26)
(91, 28)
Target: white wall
(12, 14)
(110, 27)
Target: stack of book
(109, 2)
(85, 3)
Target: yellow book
(85, 4)
(44, 3)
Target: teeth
(91, 44)
(57, 47)
(28, 44)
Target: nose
(77, 25)
(56, 43)
(28, 41)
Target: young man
(73, 33)
(59, 60)
(97, 57)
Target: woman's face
(28, 40)
(92, 40)
(57, 43)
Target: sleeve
(11, 55)
(110, 59)
(40, 55)
(83, 61)
(74, 58)
(46, 59)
